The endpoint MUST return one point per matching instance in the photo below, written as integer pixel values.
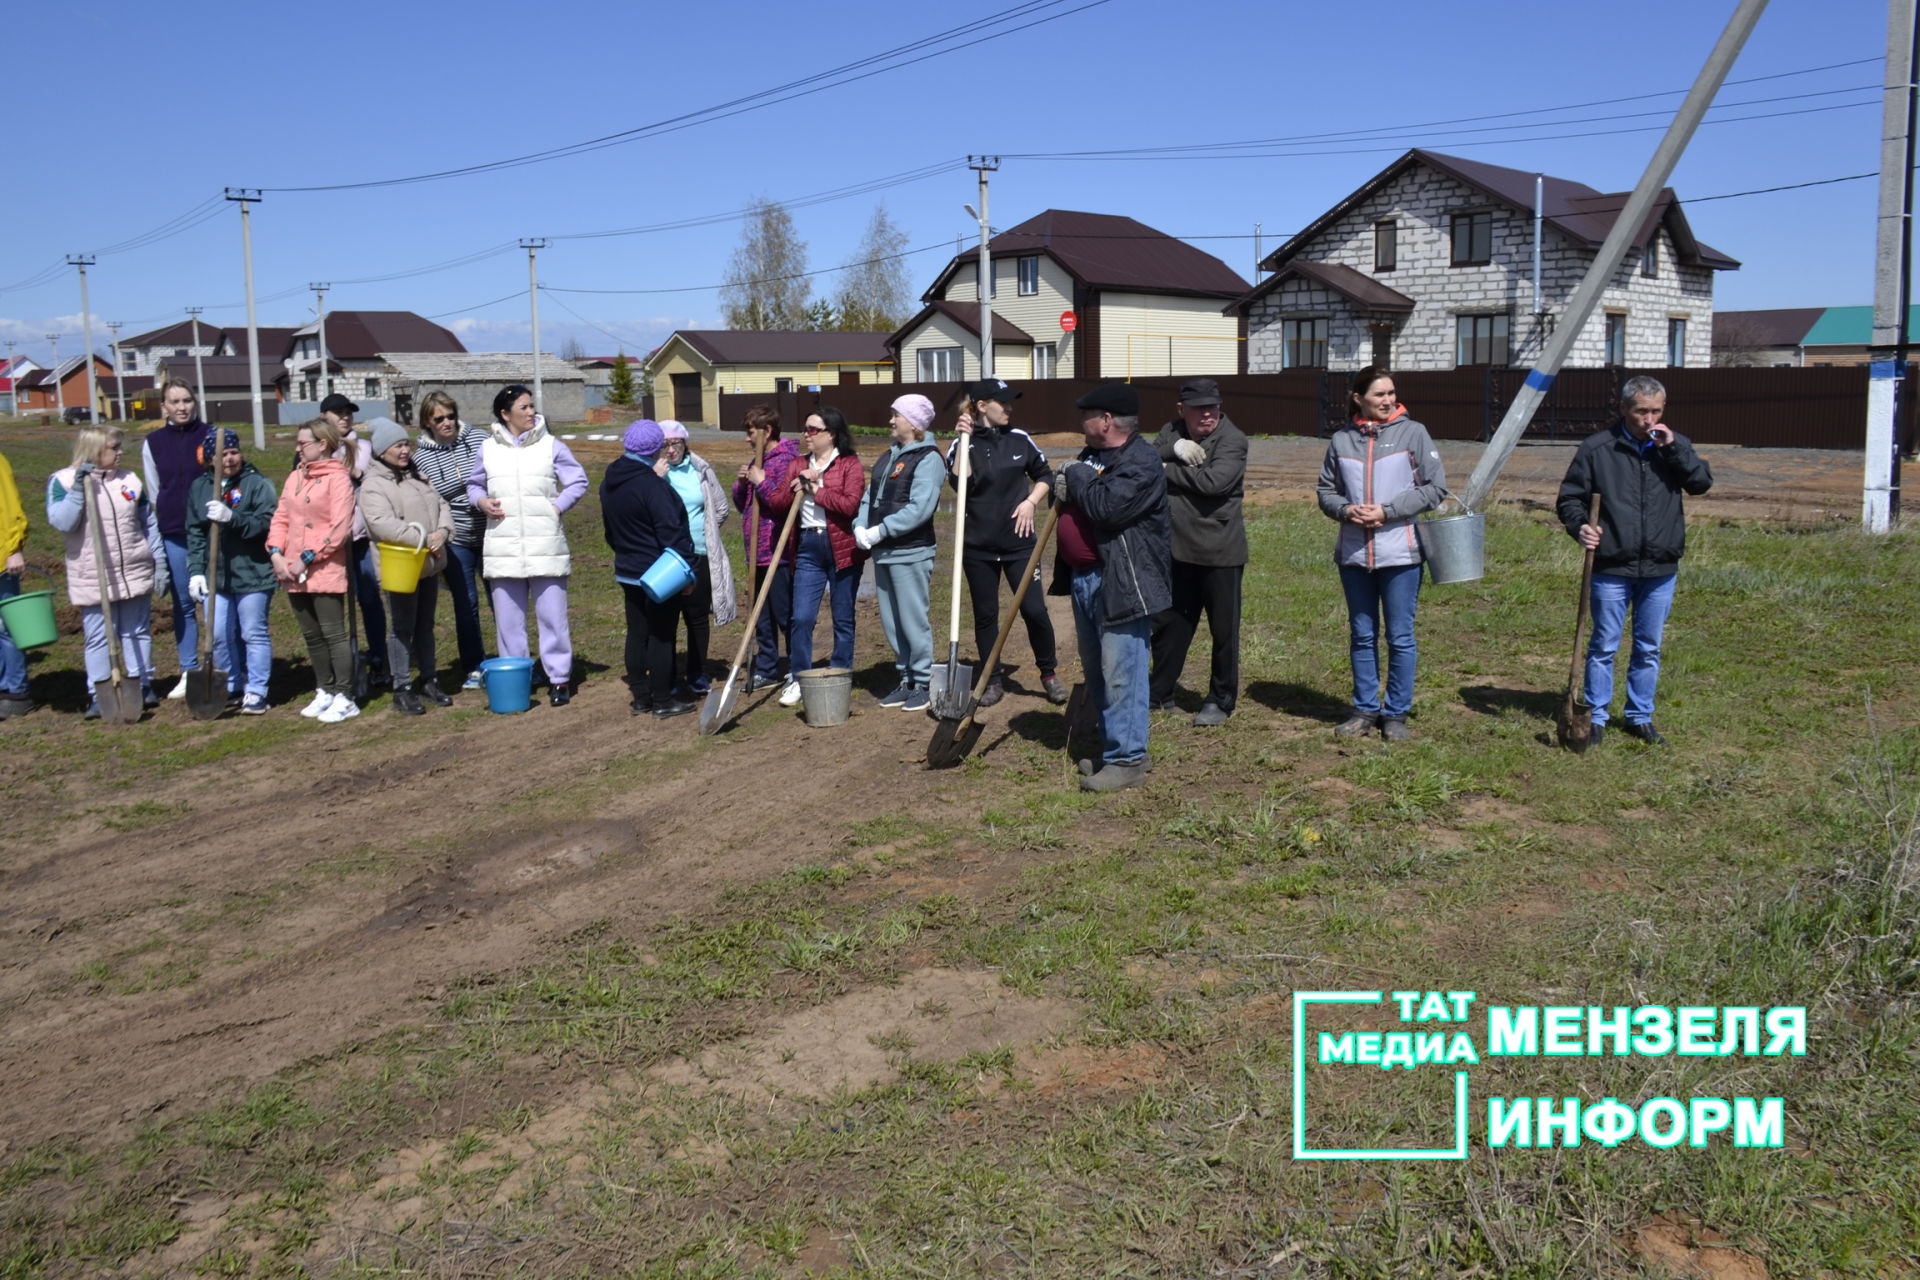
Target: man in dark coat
(1116, 543)
(1205, 457)
(1639, 466)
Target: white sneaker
(790, 694)
(321, 701)
(179, 690)
(343, 708)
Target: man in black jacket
(1008, 477)
(1206, 466)
(1639, 466)
(1116, 541)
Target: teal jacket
(245, 566)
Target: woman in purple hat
(644, 519)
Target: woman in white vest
(136, 564)
(523, 481)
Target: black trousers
(650, 628)
(1197, 588)
(696, 609)
(983, 587)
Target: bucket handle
(420, 543)
(1461, 508)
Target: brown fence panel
(1769, 408)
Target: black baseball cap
(992, 389)
(1199, 392)
(337, 403)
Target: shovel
(119, 696)
(954, 738)
(1573, 725)
(949, 692)
(207, 688)
(717, 710)
(753, 524)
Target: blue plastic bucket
(669, 576)
(509, 684)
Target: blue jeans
(241, 645)
(1652, 600)
(13, 663)
(813, 577)
(1114, 663)
(1372, 593)
(462, 575)
(186, 615)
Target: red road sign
(1068, 321)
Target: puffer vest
(526, 541)
(891, 488)
(123, 530)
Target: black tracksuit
(1006, 463)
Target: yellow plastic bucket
(400, 567)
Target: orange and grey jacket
(1392, 463)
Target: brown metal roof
(786, 346)
(1778, 327)
(363, 335)
(967, 316)
(1573, 209)
(172, 335)
(274, 342)
(1362, 288)
(1108, 251)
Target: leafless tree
(874, 294)
(766, 287)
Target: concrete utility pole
(83, 261)
(533, 245)
(119, 379)
(323, 380)
(59, 388)
(984, 165)
(245, 197)
(1892, 276)
(199, 376)
(13, 380)
(1613, 250)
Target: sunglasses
(813, 431)
(445, 417)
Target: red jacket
(841, 489)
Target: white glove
(197, 588)
(218, 511)
(1191, 452)
(867, 537)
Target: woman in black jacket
(644, 518)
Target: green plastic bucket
(29, 619)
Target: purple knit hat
(644, 438)
(916, 409)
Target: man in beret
(1115, 541)
(1206, 465)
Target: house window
(1303, 344)
(130, 360)
(1473, 239)
(1677, 342)
(180, 351)
(373, 389)
(1386, 245)
(939, 364)
(1029, 276)
(1650, 258)
(1616, 352)
(1046, 356)
(1480, 340)
(783, 386)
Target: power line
(938, 45)
(794, 275)
(478, 306)
(802, 202)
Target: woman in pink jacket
(309, 539)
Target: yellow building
(1138, 301)
(693, 367)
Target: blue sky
(157, 117)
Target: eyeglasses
(436, 421)
(301, 444)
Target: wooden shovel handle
(766, 585)
(1006, 626)
(960, 537)
(1586, 589)
(96, 491)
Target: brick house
(1144, 303)
(44, 391)
(355, 341)
(143, 351)
(1429, 265)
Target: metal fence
(1758, 408)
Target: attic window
(1473, 238)
(1386, 244)
(1650, 258)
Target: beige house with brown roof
(693, 367)
(1142, 303)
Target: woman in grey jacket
(896, 524)
(1379, 474)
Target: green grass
(1768, 857)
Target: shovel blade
(206, 693)
(118, 700)
(1573, 727)
(950, 692)
(717, 710)
(952, 742)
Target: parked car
(76, 414)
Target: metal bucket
(1455, 546)
(826, 695)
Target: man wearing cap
(1115, 541)
(358, 455)
(1008, 476)
(1206, 464)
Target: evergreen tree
(620, 382)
